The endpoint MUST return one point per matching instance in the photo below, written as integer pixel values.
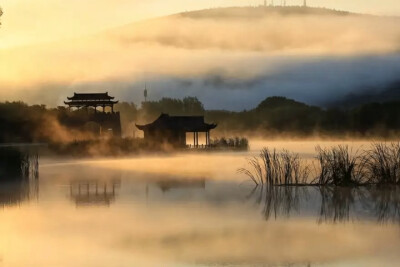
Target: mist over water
(190, 209)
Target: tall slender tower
(145, 92)
(305, 3)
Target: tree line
(273, 117)
(277, 116)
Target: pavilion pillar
(112, 108)
(104, 108)
(194, 139)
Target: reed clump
(383, 163)
(273, 167)
(337, 166)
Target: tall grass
(254, 172)
(383, 163)
(337, 165)
(276, 168)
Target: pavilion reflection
(330, 204)
(94, 192)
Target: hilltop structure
(106, 120)
(173, 129)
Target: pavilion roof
(92, 103)
(180, 123)
(90, 97)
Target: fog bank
(227, 61)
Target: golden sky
(27, 21)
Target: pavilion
(91, 100)
(106, 120)
(173, 129)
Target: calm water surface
(191, 209)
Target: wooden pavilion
(173, 129)
(106, 120)
(91, 100)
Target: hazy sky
(27, 21)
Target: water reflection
(167, 185)
(19, 174)
(14, 193)
(330, 203)
(18, 163)
(278, 200)
(94, 192)
(190, 221)
(385, 203)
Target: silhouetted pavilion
(106, 120)
(173, 129)
(91, 100)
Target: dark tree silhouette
(273, 116)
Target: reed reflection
(385, 202)
(19, 174)
(330, 204)
(336, 203)
(14, 193)
(18, 163)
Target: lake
(192, 209)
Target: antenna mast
(145, 92)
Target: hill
(227, 57)
(260, 12)
(389, 92)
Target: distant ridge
(390, 92)
(260, 12)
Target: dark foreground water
(190, 210)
